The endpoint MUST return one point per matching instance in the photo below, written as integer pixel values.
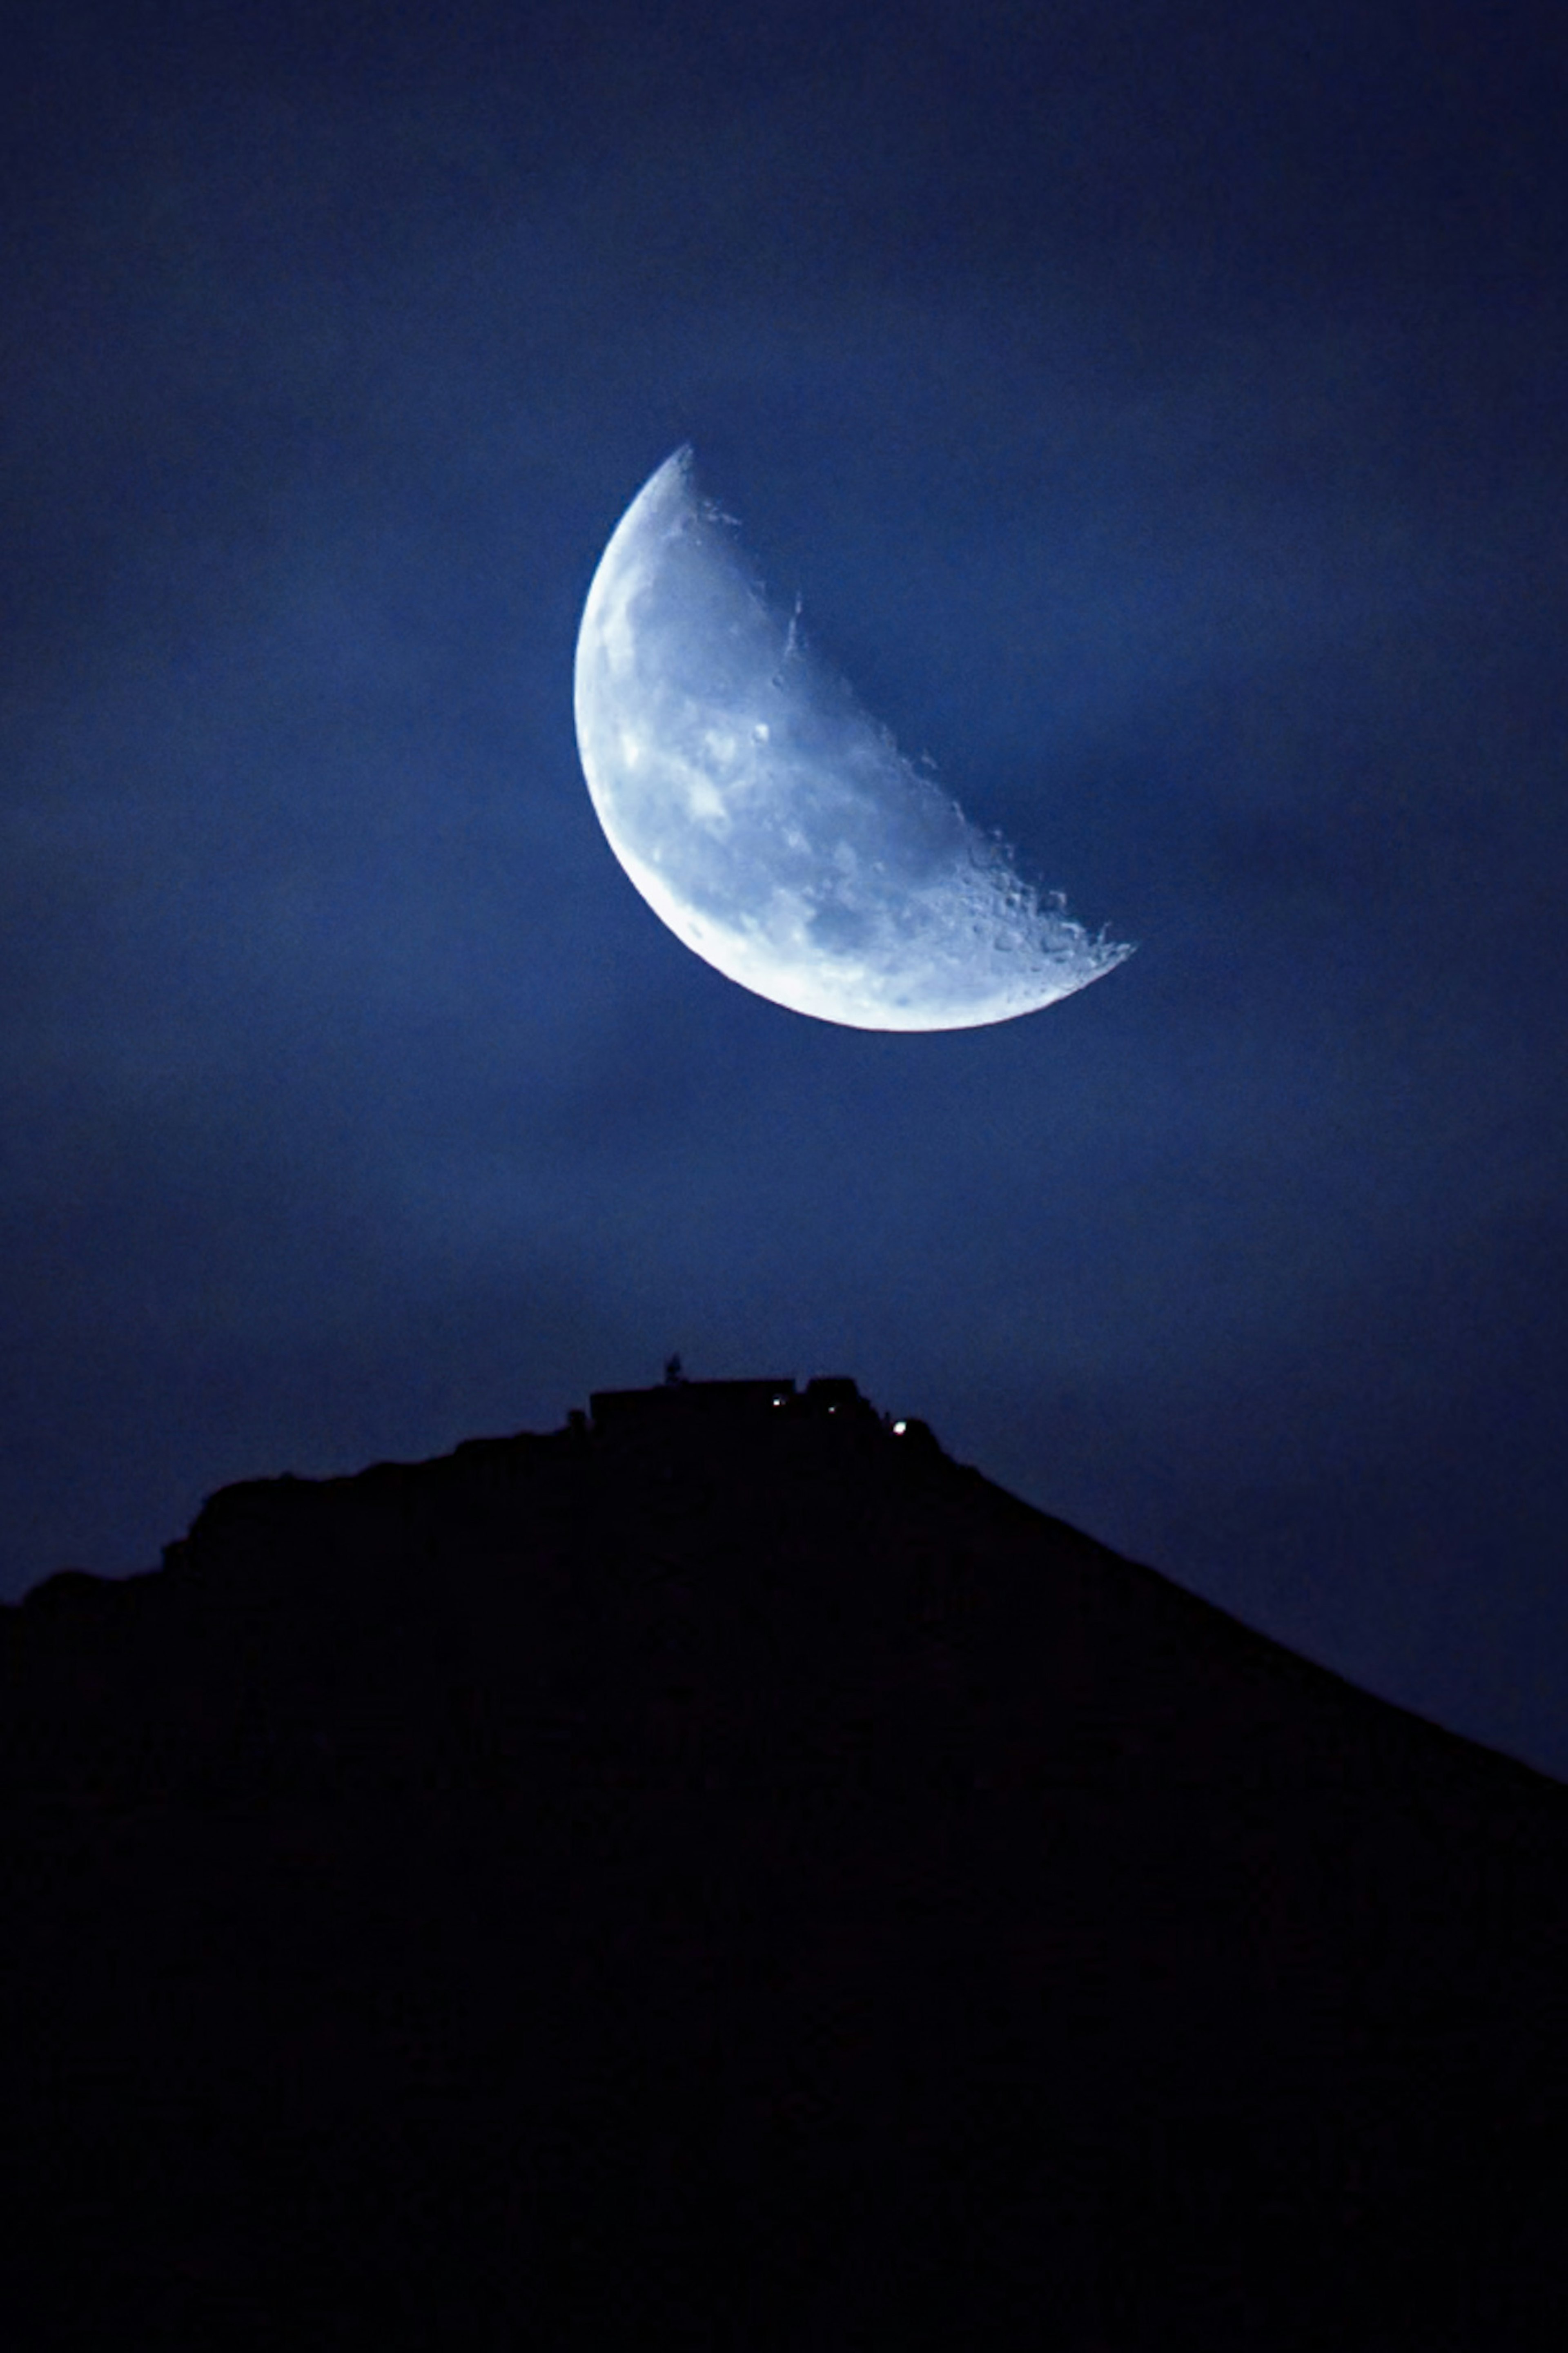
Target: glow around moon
(770, 821)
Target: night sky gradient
(1159, 410)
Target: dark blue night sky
(1160, 411)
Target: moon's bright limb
(770, 821)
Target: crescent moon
(768, 819)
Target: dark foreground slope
(749, 1883)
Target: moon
(770, 821)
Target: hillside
(723, 1874)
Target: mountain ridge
(724, 1873)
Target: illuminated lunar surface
(770, 821)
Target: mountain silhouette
(725, 1875)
